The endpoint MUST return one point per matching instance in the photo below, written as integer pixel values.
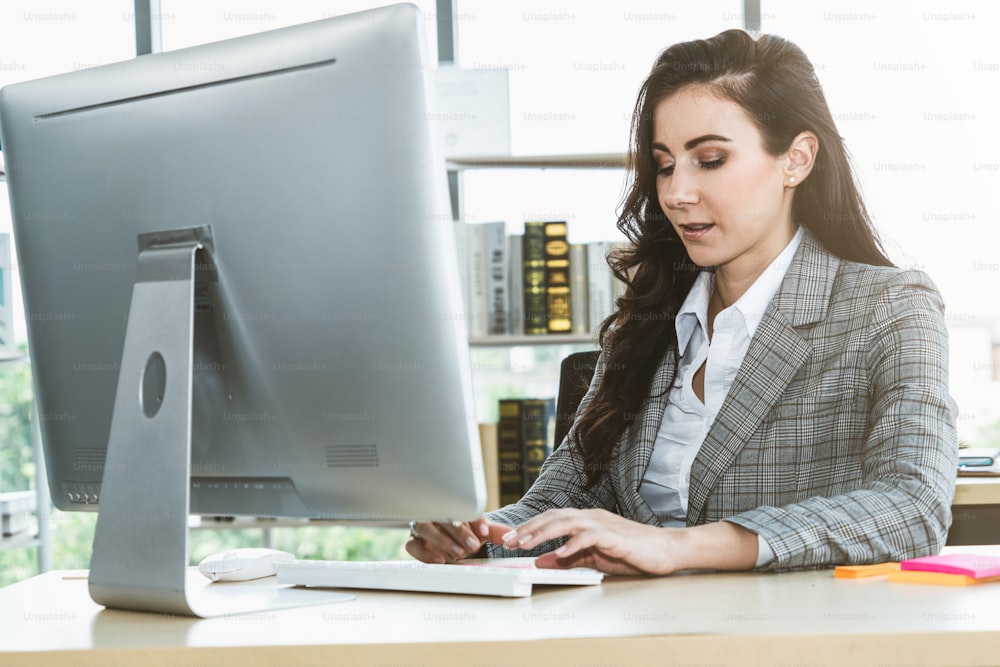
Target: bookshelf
(518, 365)
(578, 161)
(27, 540)
(507, 340)
(456, 165)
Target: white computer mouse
(242, 564)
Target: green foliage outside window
(72, 533)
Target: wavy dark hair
(774, 82)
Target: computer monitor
(238, 267)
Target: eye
(668, 170)
(712, 164)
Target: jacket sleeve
(561, 483)
(902, 507)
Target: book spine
(599, 279)
(533, 256)
(537, 426)
(515, 260)
(498, 301)
(478, 307)
(579, 308)
(509, 452)
(488, 434)
(557, 298)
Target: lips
(695, 231)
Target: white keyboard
(505, 577)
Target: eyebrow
(693, 142)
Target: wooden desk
(976, 512)
(977, 491)
(799, 618)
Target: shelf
(539, 339)
(25, 540)
(581, 161)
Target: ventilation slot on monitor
(89, 459)
(352, 456)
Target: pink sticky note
(976, 566)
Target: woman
(771, 392)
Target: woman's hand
(600, 540)
(448, 542)
(613, 544)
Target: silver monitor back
(331, 373)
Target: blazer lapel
(775, 355)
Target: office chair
(575, 374)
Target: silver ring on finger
(413, 531)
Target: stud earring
(791, 179)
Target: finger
(462, 534)
(424, 552)
(496, 531)
(588, 558)
(480, 527)
(543, 528)
(550, 560)
(452, 541)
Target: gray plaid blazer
(836, 441)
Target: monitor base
(140, 556)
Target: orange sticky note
(941, 578)
(859, 571)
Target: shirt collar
(751, 306)
(694, 311)
(758, 297)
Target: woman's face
(724, 194)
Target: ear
(800, 158)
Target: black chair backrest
(575, 374)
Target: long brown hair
(774, 82)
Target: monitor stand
(140, 555)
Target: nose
(678, 190)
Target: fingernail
(456, 551)
(472, 543)
(509, 537)
(484, 530)
(524, 539)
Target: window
(44, 38)
(189, 22)
(910, 86)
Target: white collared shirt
(686, 420)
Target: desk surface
(734, 618)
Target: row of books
(536, 282)
(524, 440)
